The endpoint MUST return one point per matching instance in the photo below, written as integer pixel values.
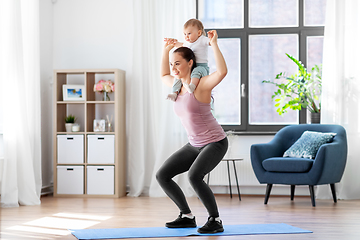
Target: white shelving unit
(88, 163)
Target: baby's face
(191, 34)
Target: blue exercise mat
(152, 232)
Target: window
(254, 36)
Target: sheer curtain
(20, 76)
(341, 90)
(154, 132)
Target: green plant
(300, 90)
(70, 119)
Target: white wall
(92, 34)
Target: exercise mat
(157, 232)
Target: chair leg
(312, 194)
(292, 192)
(332, 186)
(267, 194)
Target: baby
(196, 40)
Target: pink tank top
(200, 125)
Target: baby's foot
(172, 96)
(189, 87)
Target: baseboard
(277, 190)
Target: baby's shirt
(200, 48)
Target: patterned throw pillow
(308, 144)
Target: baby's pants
(199, 71)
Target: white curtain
(341, 90)
(20, 76)
(153, 137)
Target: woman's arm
(177, 43)
(209, 82)
(165, 69)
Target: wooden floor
(54, 216)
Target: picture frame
(99, 125)
(74, 92)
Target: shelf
(101, 133)
(86, 111)
(70, 102)
(88, 133)
(101, 102)
(70, 133)
(83, 102)
(85, 164)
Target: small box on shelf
(100, 149)
(70, 179)
(100, 180)
(70, 149)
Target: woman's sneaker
(211, 226)
(182, 222)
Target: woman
(207, 140)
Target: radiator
(245, 173)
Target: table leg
(237, 182)
(229, 178)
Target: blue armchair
(327, 167)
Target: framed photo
(73, 92)
(99, 125)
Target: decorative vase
(106, 96)
(68, 127)
(315, 117)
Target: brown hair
(187, 54)
(195, 23)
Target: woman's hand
(213, 36)
(169, 43)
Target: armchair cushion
(292, 165)
(308, 144)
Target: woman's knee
(160, 176)
(195, 177)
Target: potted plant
(69, 122)
(298, 91)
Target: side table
(227, 160)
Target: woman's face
(179, 66)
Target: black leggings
(199, 161)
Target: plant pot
(315, 118)
(68, 127)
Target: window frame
(244, 33)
